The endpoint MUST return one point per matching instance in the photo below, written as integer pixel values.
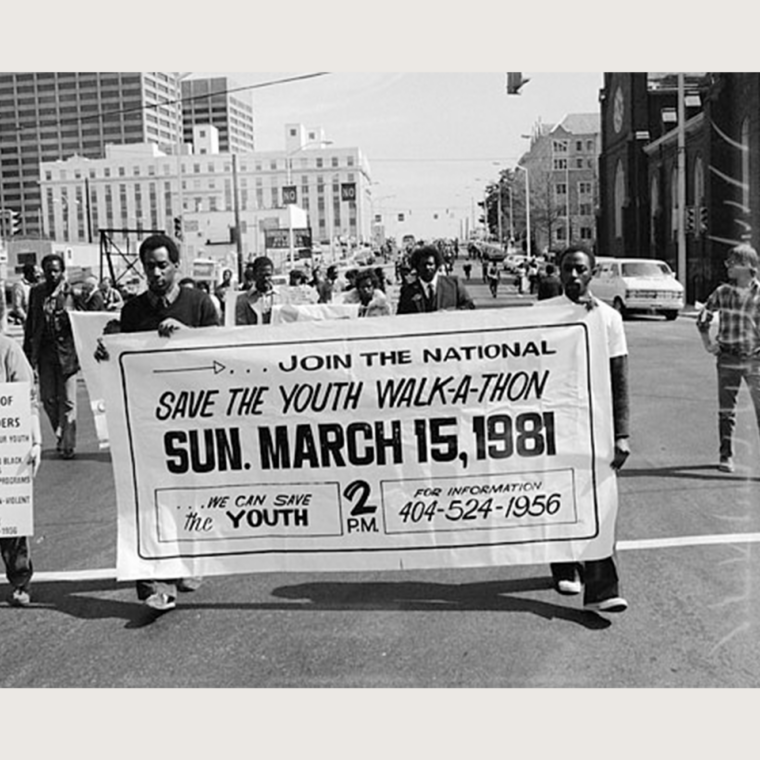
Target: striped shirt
(739, 318)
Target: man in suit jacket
(432, 291)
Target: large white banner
(16, 506)
(444, 439)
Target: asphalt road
(686, 557)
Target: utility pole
(87, 209)
(511, 212)
(681, 182)
(236, 202)
(498, 210)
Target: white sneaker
(160, 602)
(569, 587)
(20, 598)
(613, 604)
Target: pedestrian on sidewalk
(549, 284)
(164, 307)
(737, 346)
(493, 276)
(598, 579)
(49, 346)
(467, 268)
(15, 368)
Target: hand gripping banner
(439, 440)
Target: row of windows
(584, 188)
(197, 168)
(577, 163)
(563, 146)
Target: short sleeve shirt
(613, 324)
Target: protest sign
(88, 327)
(443, 439)
(16, 508)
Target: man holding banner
(165, 307)
(255, 305)
(597, 578)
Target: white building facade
(136, 187)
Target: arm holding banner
(620, 409)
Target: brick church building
(638, 211)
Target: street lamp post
(511, 212)
(499, 207)
(527, 207)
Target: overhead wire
(170, 101)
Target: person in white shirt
(597, 578)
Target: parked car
(493, 252)
(514, 260)
(638, 285)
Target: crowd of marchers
(424, 282)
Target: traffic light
(10, 223)
(178, 227)
(689, 220)
(15, 222)
(514, 82)
(703, 218)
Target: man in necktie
(430, 304)
(432, 290)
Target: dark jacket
(62, 301)
(450, 293)
(549, 286)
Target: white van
(643, 285)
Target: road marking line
(621, 546)
(667, 543)
(107, 573)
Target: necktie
(430, 297)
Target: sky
(433, 140)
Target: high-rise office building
(213, 101)
(49, 116)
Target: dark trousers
(731, 371)
(18, 564)
(599, 577)
(58, 393)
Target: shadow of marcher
(694, 472)
(74, 598)
(496, 596)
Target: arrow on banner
(216, 366)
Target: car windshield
(646, 269)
